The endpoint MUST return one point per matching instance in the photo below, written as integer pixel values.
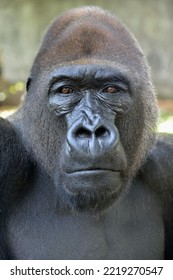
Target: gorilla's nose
(92, 138)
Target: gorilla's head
(90, 111)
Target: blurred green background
(23, 22)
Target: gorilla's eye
(111, 89)
(66, 90)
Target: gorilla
(83, 175)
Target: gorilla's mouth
(91, 171)
(92, 180)
(90, 188)
(90, 183)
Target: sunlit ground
(165, 124)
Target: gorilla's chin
(90, 201)
(97, 191)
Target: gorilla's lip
(91, 171)
(93, 180)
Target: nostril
(101, 132)
(83, 133)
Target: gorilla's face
(92, 165)
(90, 111)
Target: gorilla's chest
(131, 229)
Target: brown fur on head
(89, 35)
(88, 32)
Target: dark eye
(111, 89)
(66, 90)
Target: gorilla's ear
(28, 83)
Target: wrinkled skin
(86, 128)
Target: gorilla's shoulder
(15, 163)
(158, 168)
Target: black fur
(15, 173)
(157, 173)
